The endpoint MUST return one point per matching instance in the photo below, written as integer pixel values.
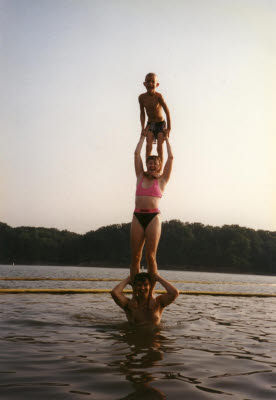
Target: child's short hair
(141, 277)
(151, 74)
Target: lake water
(79, 346)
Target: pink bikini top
(153, 190)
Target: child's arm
(168, 166)
(142, 115)
(168, 116)
(139, 169)
(117, 293)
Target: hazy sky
(70, 75)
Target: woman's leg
(152, 233)
(137, 240)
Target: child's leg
(150, 138)
(160, 140)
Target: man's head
(141, 284)
(151, 82)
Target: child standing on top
(154, 104)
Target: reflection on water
(145, 350)
(79, 346)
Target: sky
(71, 72)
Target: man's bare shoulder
(159, 301)
(155, 302)
(127, 304)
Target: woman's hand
(166, 133)
(145, 131)
(155, 278)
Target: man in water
(144, 308)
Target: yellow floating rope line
(61, 279)
(93, 291)
(119, 280)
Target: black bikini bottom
(145, 218)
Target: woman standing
(146, 222)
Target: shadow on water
(145, 350)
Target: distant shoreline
(183, 247)
(161, 267)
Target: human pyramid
(144, 307)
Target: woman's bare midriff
(147, 202)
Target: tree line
(193, 245)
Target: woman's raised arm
(168, 166)
(139, 169)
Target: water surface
(81, 347)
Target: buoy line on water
(119, 280)
(99, 291)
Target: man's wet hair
(141, 277)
